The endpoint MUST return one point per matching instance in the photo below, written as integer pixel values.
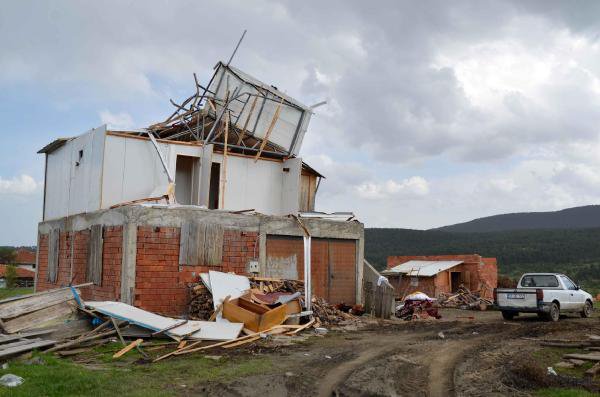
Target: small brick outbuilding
(435, 274)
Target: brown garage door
(333, 264)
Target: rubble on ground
(418, 306)
(225, 311)
(463, 298)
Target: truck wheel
(554, 313)
(587, 309)
(508, 315)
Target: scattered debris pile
(226, 311)
(417, 310)
(417, 306)
(464, 299)
(333, 315)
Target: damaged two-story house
(217, 185)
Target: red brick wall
(160, 283)
(42, 263)
(110, 287)
(63, 277)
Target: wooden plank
(118, 330)
(223, 182)
(127, 348)
(16, 298)
(587, 357)
(213, 244)
(247, 120)
(191, 348)
(184, 243)
(242, 342)
(5, 339)
(94, 260)
(18, 343)
(53, 248)
(27, 305)
(269, 130)
(62, 346)
(26, 348)
(192, 249)
(37, 318)
(170, 327)
(74, 352)
(305, 326)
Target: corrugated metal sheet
(422, 268)
(293, 119)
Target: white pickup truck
(547, 294)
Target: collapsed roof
(238, 110)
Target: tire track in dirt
(337, 375)
(439, 362)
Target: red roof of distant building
(21, 273)
(25, 257)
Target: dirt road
(454, 356)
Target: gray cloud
(410, 85)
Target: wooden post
(269, 130)
(224, 170)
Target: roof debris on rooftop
(421, 268)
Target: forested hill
(570, 218)
(572, 251)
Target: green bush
(11, 276)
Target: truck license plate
(516, 296)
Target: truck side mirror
(577, 287)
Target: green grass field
(10, 292)
(106, 377)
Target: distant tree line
(575, 252)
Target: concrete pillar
(128, 261)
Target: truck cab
(547, 294)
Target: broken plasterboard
(225, 284)
(206, 281)
(195, 329)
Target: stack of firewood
(464, 299)
(201, 302)
(268, 285)
(329, 314)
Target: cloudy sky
(438, 111)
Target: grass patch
(10, 292)
(62, 377)
(548, 356)
(563, 393)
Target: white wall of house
(74, 174)
(260, 185)
(133, 170)
(115, 169)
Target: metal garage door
(333, 265)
